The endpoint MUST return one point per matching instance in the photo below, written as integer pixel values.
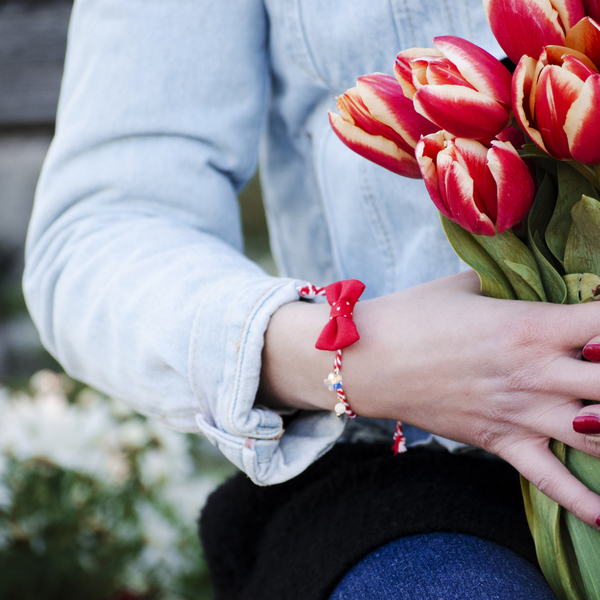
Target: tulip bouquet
(512, 162)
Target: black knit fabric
(296, 540)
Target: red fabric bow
(340, 331)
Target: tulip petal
(472, 155)
(440, 71)
(582, 125)
(514, 184)
(523, 27)
(557, 55)
(426, 153)
(522, 86)
(569, 11)
(585, 37)
(482, 70)
(460, 193)
(377, 149)
(403, 70)
(513, 135)
(387, 104)
(556, 91)
(592, 9)
(578, 68)
(461, 111)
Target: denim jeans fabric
(443, 566)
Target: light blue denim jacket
(135, 274)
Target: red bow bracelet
(340, 331)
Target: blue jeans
(443, 566)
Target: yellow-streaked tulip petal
(515, 186)
(585, 37)
(556, 55)
(426, 153)
(375, 148)
(461, 111)
(522, 87)
(460, 190)
(524, 27)
(582, 125)
(569, 11)
(556, 91)
(473, 156)
(403, 69)
(478, 67)
(387, 104)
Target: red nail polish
(592, 352)
(598, 521)
(586, 424)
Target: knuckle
(591, 445)
(576, 505)
(547, 484)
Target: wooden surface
(33, 38)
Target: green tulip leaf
(554, 285)
(582, 252)
(585, 540)
(537, 223)
(507, 250)
(493, 281)
(543, 204)
(554, 551)
(531, 278)
(571, 187)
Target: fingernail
(598, 521)
(592, 352)
(586, 424)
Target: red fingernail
(598, 521)
(592, 352)
(586, 424)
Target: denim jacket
(135, 274)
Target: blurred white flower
(162, 541)
(133, 434)
(48, 427)
(5, 493)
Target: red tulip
(556, 101)
(524, 27)
(483, 188)
(458, 86)
(585, 38)
(378, 122)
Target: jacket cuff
(251, 437)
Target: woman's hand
(505, 376)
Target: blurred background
(95, 501)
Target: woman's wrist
(293, 370)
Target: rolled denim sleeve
(135, 275)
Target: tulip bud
(458, 86)
(483, 188)
(378, 122)
(524, 27)
(556, 101)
